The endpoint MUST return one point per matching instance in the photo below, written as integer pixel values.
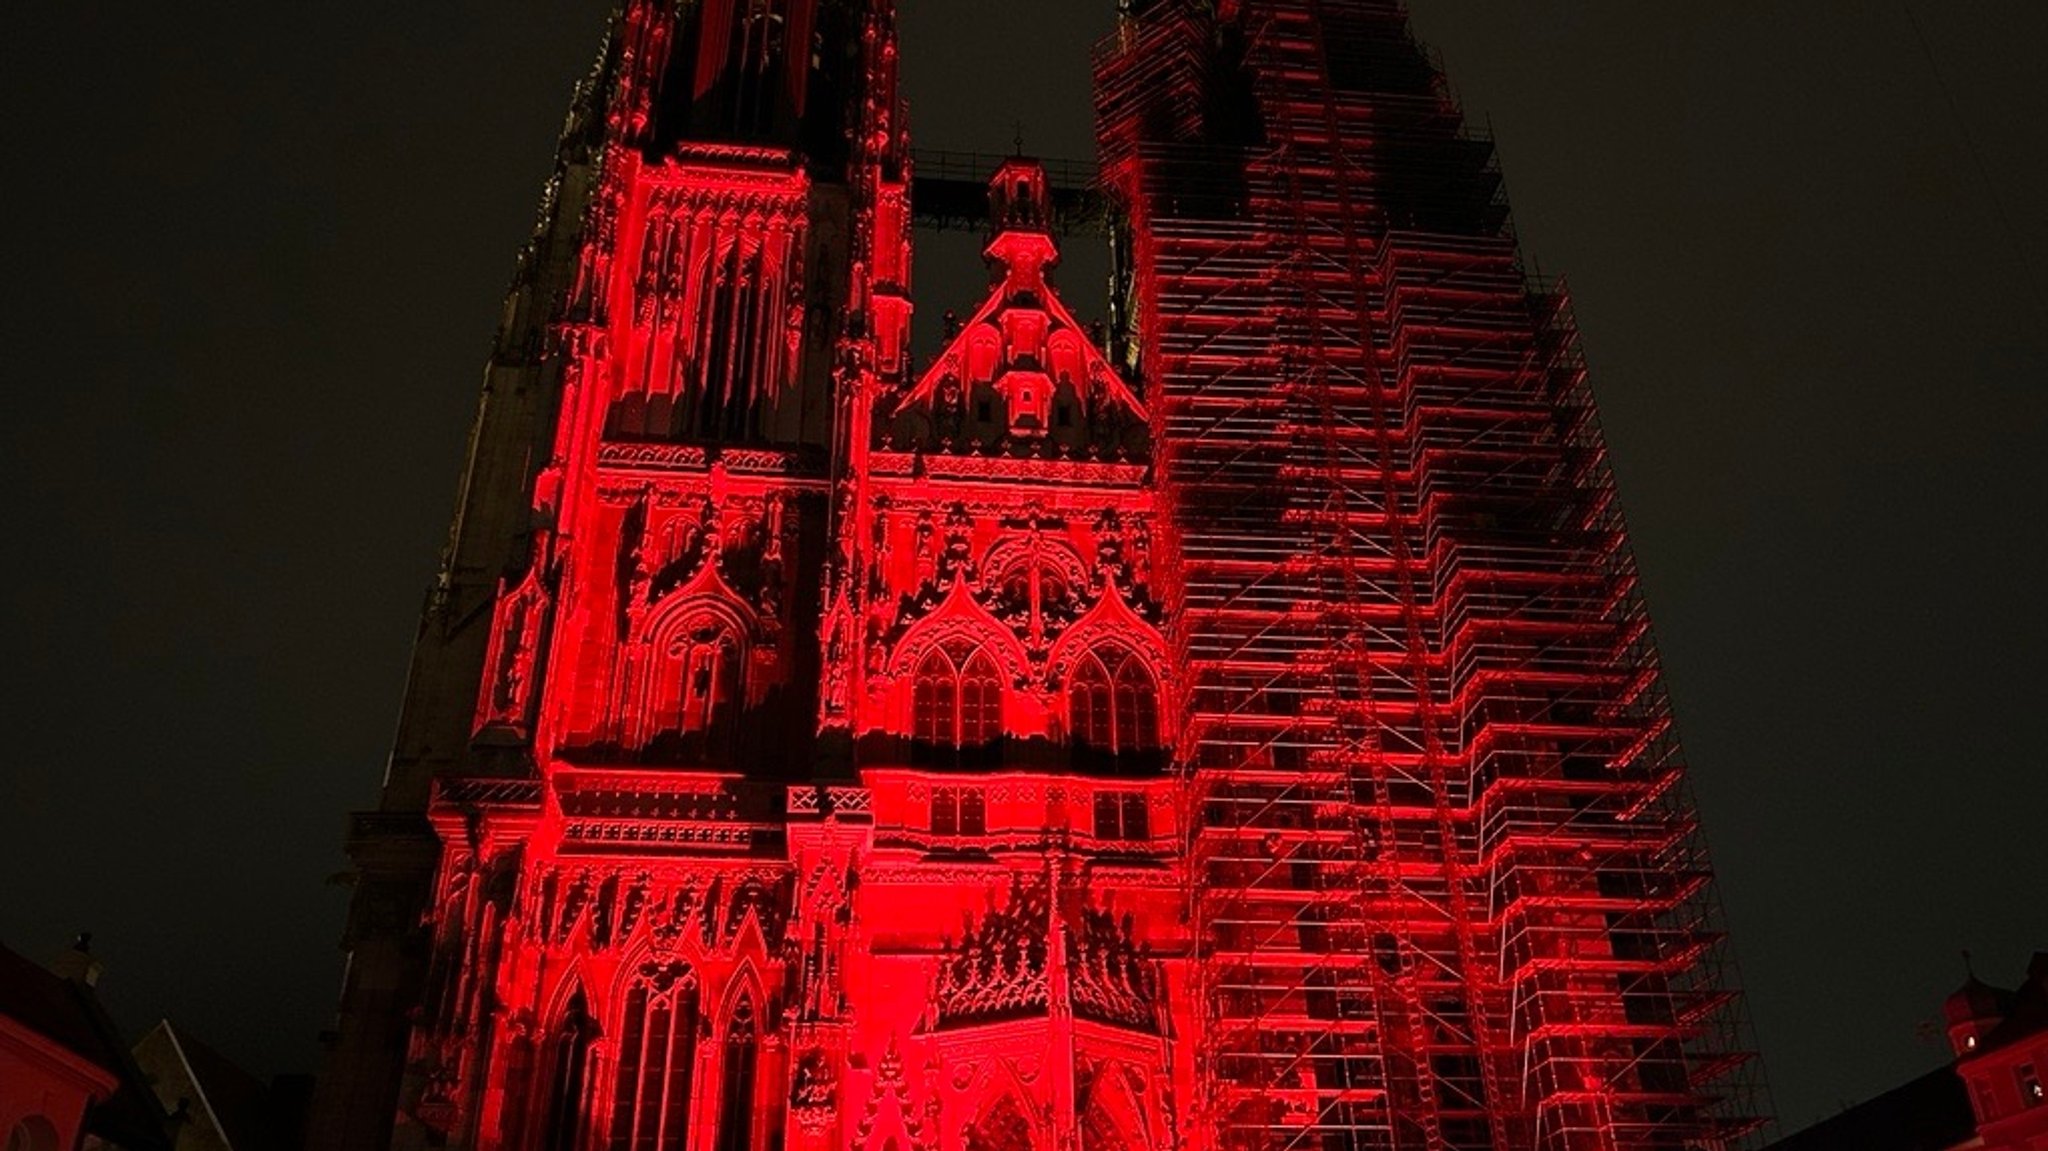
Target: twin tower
(1231, 728)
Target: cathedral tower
(1446, 885)
(1234, 727)
(620, 650)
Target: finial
(1969, 966)
(1017, 140)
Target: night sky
(255, 253)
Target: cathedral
(1231, 726)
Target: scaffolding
(1444, 875)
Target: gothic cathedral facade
(1070, 738)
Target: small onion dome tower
(1974, 1009)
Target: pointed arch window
(657, 1050)
(981, 701)
(754, 63)
(698, 690)
(957, 699)
(1113, 703)
(935, 700)
(1002, 1127)
(736, 1092)
(567, 1101)
(34, 1133)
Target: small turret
(1974, 1009)
(1020, 219)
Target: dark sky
(256, 252)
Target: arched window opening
(754, 63)
(1090, 717)
(657, 1050)
(1112, 703)
(709, 681)
(736, 1094)
(699, 690)
(730, 346)
(567, 1099)
(1002, 1127)
(1033, 590)
(1136, 703)
(981, 702)
(957, 699)
(34, 1133)
(935, 700)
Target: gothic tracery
(764, 529)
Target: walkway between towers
(949, 189)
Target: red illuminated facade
(1234, 729)
(2000, 1039)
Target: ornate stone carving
(1013, 961)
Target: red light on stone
(1243, 737)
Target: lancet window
(1112, 702)
(730, 337)
(957, 699)
(712, 305)
(754, 62)
(736, 1093)
(656, 1052)
(567, 1084)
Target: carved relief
(889, 1120)
(694, 914)
(1014, 960)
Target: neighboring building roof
(67, 1012)
(1931, 1113)
(49, 1004)
(2026, 1010)
(241, 1112)
(1975, 1001)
